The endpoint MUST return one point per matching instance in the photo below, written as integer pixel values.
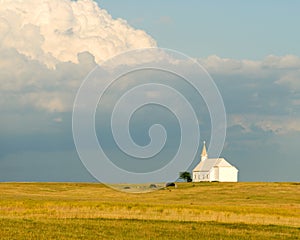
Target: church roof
(208, 164)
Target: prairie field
(190, 211)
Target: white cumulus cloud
(52, 31)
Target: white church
(214, 169)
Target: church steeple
(204, 152)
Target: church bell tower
(204, 152)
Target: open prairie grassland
(191, 211)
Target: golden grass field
(191, 211)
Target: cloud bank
(48, 47)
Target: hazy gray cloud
(27, 83)
(263, 93)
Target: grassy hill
(191, 211)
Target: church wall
(214, 174)
(228, 174)
(201, 177)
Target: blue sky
(251, 49)
(230, 29)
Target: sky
(231, 29)
(250, 49)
